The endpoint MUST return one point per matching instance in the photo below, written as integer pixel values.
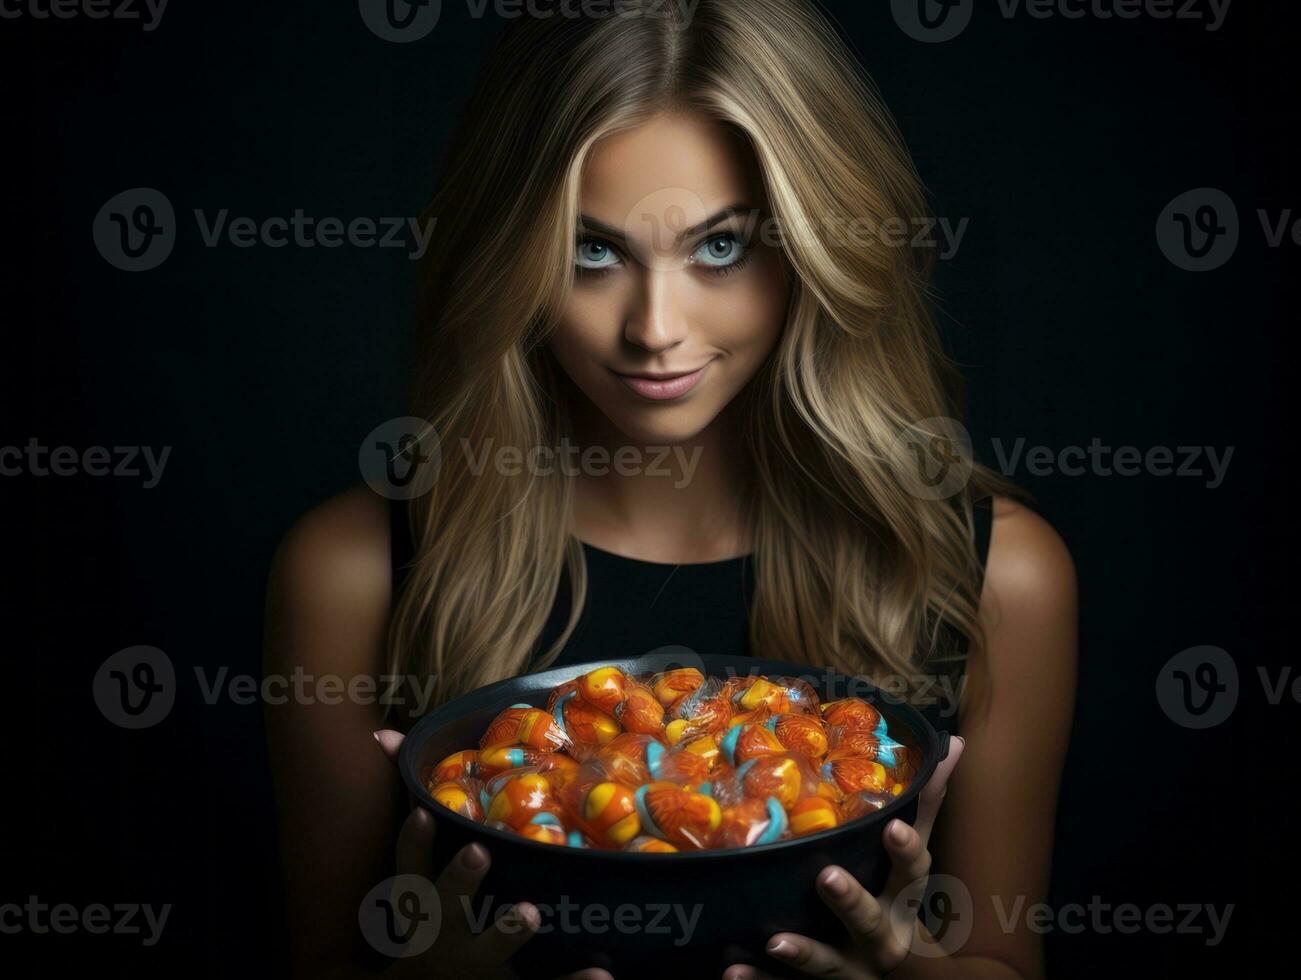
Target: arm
(338, 799)
(995, 830)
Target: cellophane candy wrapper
(676, 761)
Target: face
(677, 301)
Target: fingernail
(375, 736)
(782, 948)
(524, 915)
(474, 857)
(899, 832)
(962, 740)
(836, 884)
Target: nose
(657, 321)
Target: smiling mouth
(662, 387)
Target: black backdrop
(1060, 140)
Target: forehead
(683, 162)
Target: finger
(853, 904)
(458, 883)
(591, 973)
(909, 857)
(744, 971)
(390, 741)
(509, 931)
(415, 849)
(812, 957)
(932, 794)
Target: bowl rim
(413, 746)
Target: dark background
(1061, 140)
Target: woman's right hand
(458, 950)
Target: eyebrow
(590, 224)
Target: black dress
(636, 606)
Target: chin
(662, 426)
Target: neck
(676, 504)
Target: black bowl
(638, 915)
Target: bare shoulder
(332, 567)
(1029, 570)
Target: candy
(585, 726)
(676, 761)
(672, 684)
(460, 797)
(640, 711)
(522, 723)
(677, 815)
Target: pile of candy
(676, 761)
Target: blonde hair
(854, 569)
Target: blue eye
(595, 255)
(719, 252)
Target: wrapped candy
(516, 797)
(456, 765)
(853, 714)
(672, 684)
(640, 711)
(680, 816)
(524, 724)
(752, 821)
(744, 742)
(649, 845)
(584, 726)
(852, 773)
(603, 688)
(499, 758)
(873, 744)
(460, 796)
(676, 761)
(812, 814)
(781, 695)
(702, 710)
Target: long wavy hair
(855, 569)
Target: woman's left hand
(881, 928)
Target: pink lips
(663, 387)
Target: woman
(675, 226)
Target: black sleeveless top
(636, 606)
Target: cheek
(588, 325)
(745, 315)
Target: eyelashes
(718, 255)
